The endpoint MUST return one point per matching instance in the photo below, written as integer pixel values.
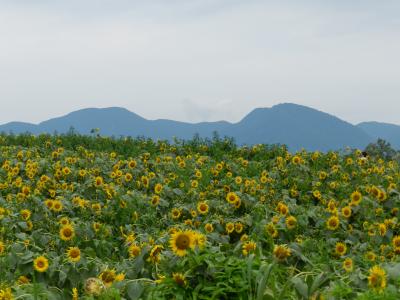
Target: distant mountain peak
(386, 131)
(112, 109)
(295, 125)
(284, 109)
(289, 105)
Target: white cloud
(199, 60)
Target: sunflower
(26, 190)
(382, 196)
(333, 223)
(75, 295)
(248, 247)
(74, 254)
(396, 242)
(271, 230)
(244, 238)
(129, 238)
(134, 250)
(98, 181)
(377, 278)
(160, 279)
(382, 229)
(6, 294)
(155, 200)
(346, 212)
(199, 239)
(322, 175)
(209, 227)
(155, 252)
(25, 214)
(132, 164)
(67, 232)
(348, 265)
(194, 184)
(283, 209)
(128, 177)
(370, 255)
(23, 280)
(96, 226)
(394, 211)
(238, 203)
(57, 205)
(41, 264)
(198, 174)
(202, 208)
(291, 222)
(49, 203)
(296, 160)
(333, 185)
(66, 171)
(232, 198)
(229, 227)
(281, 252)
(356, 198)
(181, 241)
(193, 213)
(340, 249)
(94, 286)
(2, 247)
(180, 279)
(176, 213)
(379, 211)
(64, 221)
(374, 191)
(158, 188)
(122, 204)
(96, 207)
(239, 227)
(392, 186)
(331, 206)
(107, 277)
(317, 194)
(145, 181)
(349, 161)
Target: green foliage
(382, 149)
(110, 216)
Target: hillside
(295, 125)
(388, 132)
(298, 126)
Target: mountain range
(294, 125)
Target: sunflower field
(105, 218)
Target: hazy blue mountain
(298, 126)
(117, 121)
(113, 120)
(19, 127)
(388, 132)
(294, 125)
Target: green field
(102, 218)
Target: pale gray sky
(199, 60)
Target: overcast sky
(199, 60)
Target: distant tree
(381, 149)
(71, 131)
(95, 132)
(215, 136)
